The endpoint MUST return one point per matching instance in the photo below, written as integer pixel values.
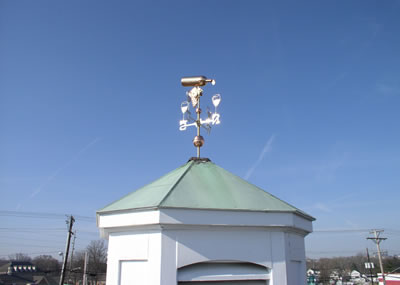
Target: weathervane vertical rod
(198, 125)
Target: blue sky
(90, 103)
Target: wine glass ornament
(216, 99)
(184, 107)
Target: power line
(34, 253)
(343, 231)
(57, 234)
(14, 237)
(44, 215)
(333, 251)
(33, 229)
(44, 229)
(30, 245)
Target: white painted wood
(140, 249)
(234, 218)
(162, 242)
(124, 219)
(233, 244)
(133, 272)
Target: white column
(278, 255)
(168, 259)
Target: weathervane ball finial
(198, 141)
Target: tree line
(344, 265)
(97, 262)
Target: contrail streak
(267, 148)
(68, 163)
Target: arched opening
(224, 273)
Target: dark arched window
(224, 273)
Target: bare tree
(97, 252)
(392, 264)
(325, 267)
(3, 261)
(47, 263)
(97, 263)
(344, 265)
(76, 270)
(20, 257)
(78, 262)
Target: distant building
(312, 276)
(23, 273)
(355, 274)
(391, 279)
(313, 272)
(357, 277)
(17, 267)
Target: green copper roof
(201, 185)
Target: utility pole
(85, 269)
(370, 268)
(377, 239)
(72, 255)
(70, 233)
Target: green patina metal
(202, 185)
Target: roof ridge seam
(176, 183)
